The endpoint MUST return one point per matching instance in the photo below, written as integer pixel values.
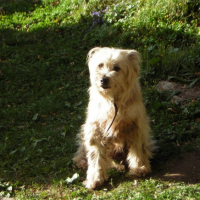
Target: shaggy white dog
(116, 121)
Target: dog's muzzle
(105, 82)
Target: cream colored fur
(130, 130)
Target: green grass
(44, 81)
(148, 189)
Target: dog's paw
(120, 168)
(94, 179)
(91, 184)
(116, 166)
(139, 171)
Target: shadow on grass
(13, 6)
(44, 84)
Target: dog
(116, 122)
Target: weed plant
(44, 81)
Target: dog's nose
(105, 81)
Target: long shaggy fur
(114, 79)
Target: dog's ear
(134, 56)
(91, 53)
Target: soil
(185, 169)
(181, 91)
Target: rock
(175, 99)
(179, 93)
(165, 85)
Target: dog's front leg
(139, 151)
(138, 161)
(97, 163)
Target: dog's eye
(100, 65)
(116, 68)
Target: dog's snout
(105, 80)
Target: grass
(44, 81)
(148, 189)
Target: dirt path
(185, 169)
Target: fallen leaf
(79, 103)
(2, 11)
(55, 3)
(63, 134)
(197, 74)
(35, 117)
(171, 109)
(21, 127)
(82, 74)
(197, 120)
(74, 178)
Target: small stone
(176, 99)
(165, 85)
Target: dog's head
(113, 71)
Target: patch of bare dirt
(183, 92)
(185, 169)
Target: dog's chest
(118, 130)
